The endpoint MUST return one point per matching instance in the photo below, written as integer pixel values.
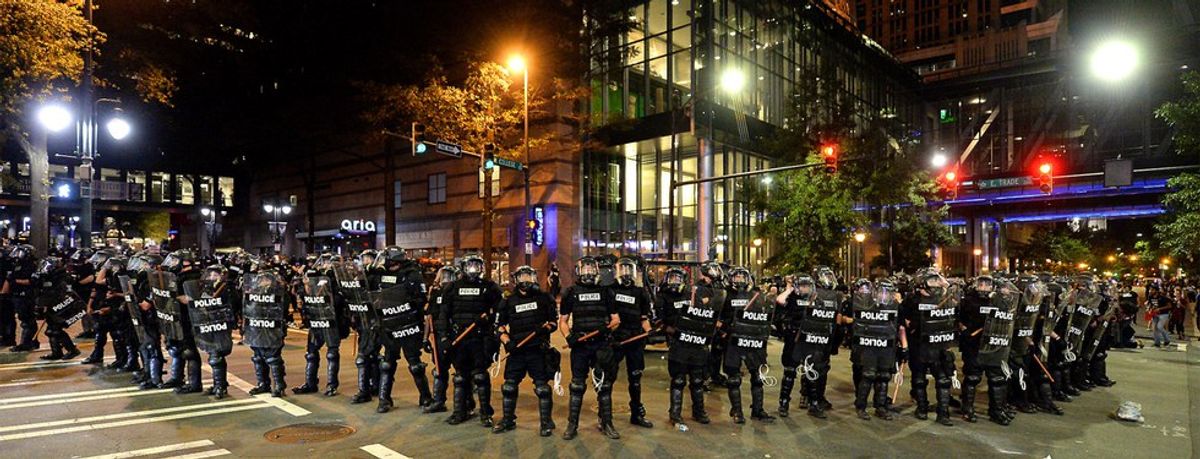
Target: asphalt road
(65, 409)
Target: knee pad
(257, 359)
(274, 360)
(869, 374)
(459, 380)
(541, 390)
(577, 387)
(480, 378)
(635, 374)
(733, 380)
(1100, 355)
(190, 354)
(678, 382)
(997, 379)
(311, 357)
(696, 381)
(215, 360)
(387, 366)
(509, 388)
(332, 354)
(971, 379)
(789, 372)
(361, 361)
(416, 368)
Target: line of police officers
(1035, 339)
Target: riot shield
(1084, 304)
(135, 311)
(212, 316)
(998, 325)
(263, 310)
(399, 316)
(1089, 346)
(316, 299)
(164, 289)
(60, 305)
(1026, 317)
(352, 285)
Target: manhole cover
(308, 433)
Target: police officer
(1020, 358)
(114, 299)
(141, 267)
(400, 305)
(210, 302)
(181, 340)
(587, 317)
(633, 305)
(932, 310)
(987, 320)
(746, 319)
(323, 319)
(266, 326)
(793, 303)
(59, 306)
(817, 339)
(353, 288)
(468, 305)
(436, 328)
(21, 283)
(8, 318)
(525, 320)
(878, 340)
(690, 320)
(92, 288)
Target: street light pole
(88, 135)
(525, 220)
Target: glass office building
(649, 82)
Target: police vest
(589, 312)
(751, 324)
(820, 318)
(628, 302)
(525, 316)
(470, 300)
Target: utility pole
(87, 136)
(487, 218)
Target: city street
(63, 409)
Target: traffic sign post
(515, 165)
(449, 148)
(1006, 182)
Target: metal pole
(39, 196)
(89, 133)
(525, 218)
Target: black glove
(444, 343)
(573, 338)
(511, 345)
(482, 322)
(428, 346)
(902, 356)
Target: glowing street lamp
(118, 128)
(1114, 61)
(860, 237)
(733, 80)
(939, 160)
(54, 117)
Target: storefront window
(160, 187)
(184, 191)
(136, 181)
(225, 184)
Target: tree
(1178, 232)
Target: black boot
(545, 409)
(943, 406)
(387, 377)
(364, 382)
(333, 365)
(69, 346)
(192, 373)
(483, 391)
(757, 412)
(996, 406)
(175, 377)
(311, 363)
(574, 406)
(882, 410)
(96, 357)
(1046, 399)
(637, 412)
(421, 380)
(439, 396)
(261, 378)
(675, 411)
(508, 407)
(699, 414)
(604, 400)
(968, 403)
(461, 412)
(735, 402)
(153, 371)
(785, 391)
(277, 374)
(861, 393)
(814, 401)
(220, 387)
(921, 397)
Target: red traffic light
(951, 176)
(828, 151)
(1046, 168)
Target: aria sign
(358, 226)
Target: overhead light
(118, 128)
(54, 117)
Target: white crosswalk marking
(129, 414)
(154, 450)
(202, 454)
(46, 364)
(72, 399)
(131, 422)
(4, 401)
(383, 452)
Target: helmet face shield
(587, 270)
(675, 280)
(885, 292)
(627, 272)
(214, 275)
(826, 278)
(525, 278)
(985, 284)
(805, 285)
(172, 261)
(446, 275)
(741, 278)
(472, 267)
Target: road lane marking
(130, 414)
(203, 454)
(154, 450)
(383, 452)
(31, 381)
(130, 422)
(278, 402)
(6, 401)
(83, 399)
(49, 364)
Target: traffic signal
(489, 156)
(418, 139)
(829, 153)
(950, 185)
(1046, 177)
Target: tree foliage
(1178, 232)
(41, 51)
(1184, 115)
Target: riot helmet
(525, 278)
(587, 271)
(114, 265)
(49, 265)
(21, 252)
(675, 280)
(714, 272)
(825, 277)
(885, 292)
(985, 284)
(81, 255)
(366, 259)
(99, 257)
(215, 274)
(391, 258)
(805, 286)
(741, 279)
(178, 260)
(446, 275)
(627, 271)
(472, 267)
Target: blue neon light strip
(1118, 212)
